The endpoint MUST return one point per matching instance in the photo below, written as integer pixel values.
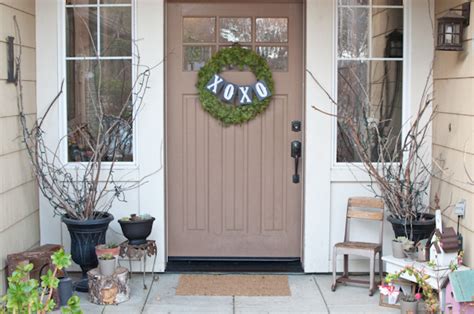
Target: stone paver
(309, 294)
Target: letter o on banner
(261, 90)
(228, 92)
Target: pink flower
(418, 296)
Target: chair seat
(365, 246)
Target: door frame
(303, 98)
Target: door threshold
(233, 264)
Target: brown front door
(229, 189)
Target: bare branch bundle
(87, 190)
(395, 162)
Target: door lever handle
(296, 154)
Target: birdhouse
(459, 293)
(423, 250)
(444, 247)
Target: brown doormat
(233, 285)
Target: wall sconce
(394, 46)
(11, 75)
(451, 27)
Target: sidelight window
(99, 78)
(369, 77)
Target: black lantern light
(450, 28)
(394, 46)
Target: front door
(230, 191)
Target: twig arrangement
(87, 189)
(395, 162)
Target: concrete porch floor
(309, 294)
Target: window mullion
(98, 30)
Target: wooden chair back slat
(365, 213)
(368, 202)
(366, 208)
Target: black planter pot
(418, 229)
(136, 231)
(65, 290)
(85, 235)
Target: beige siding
(453, 130)
(19, 222)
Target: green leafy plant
(112, 245)
(406, 243)
(26, 295)
(106, 257)
(240, 58)
(135, 217)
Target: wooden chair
(364, 208)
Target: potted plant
(112, 248)
(136, 228)
(82, 193)
(107, 264)
(401, 246)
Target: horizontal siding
(454, 96)
(19, 225)
(9, 105)
(21, 236)
(15, 169)
(26, 6)
(453, 130)
(11, 140)
(18, 203)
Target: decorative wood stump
(108, 289)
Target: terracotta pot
(397, 249)
(107, 266)
(102, 249)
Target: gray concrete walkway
(309, 294)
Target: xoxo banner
(228, 92)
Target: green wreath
(238, 57)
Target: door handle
(296, 154)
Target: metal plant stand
(139, 253)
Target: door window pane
(115, 31)
(81, 32)
(272, 30)
(353, 32)
(235, 29)
(277, 56)
(195, 57)
(199, 29)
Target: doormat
(233, 285)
